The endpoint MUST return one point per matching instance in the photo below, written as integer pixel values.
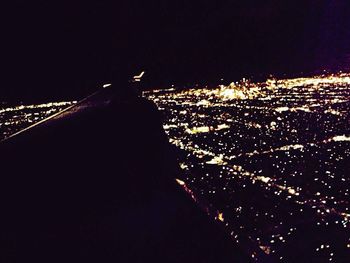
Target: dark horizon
(66, 49)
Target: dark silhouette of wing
(96, 183)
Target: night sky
(65, 49)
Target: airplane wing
(96, 183)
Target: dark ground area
(96, 184)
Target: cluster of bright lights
(272, 158)
(13, 119)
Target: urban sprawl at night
(16, 118)
(270, 160)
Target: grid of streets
(272, 158)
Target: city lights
(16, 118)
(273, 157)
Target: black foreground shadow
(96, 184)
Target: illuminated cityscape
(14, 119)
(175, 131)
(271, 160)
(268, 161)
